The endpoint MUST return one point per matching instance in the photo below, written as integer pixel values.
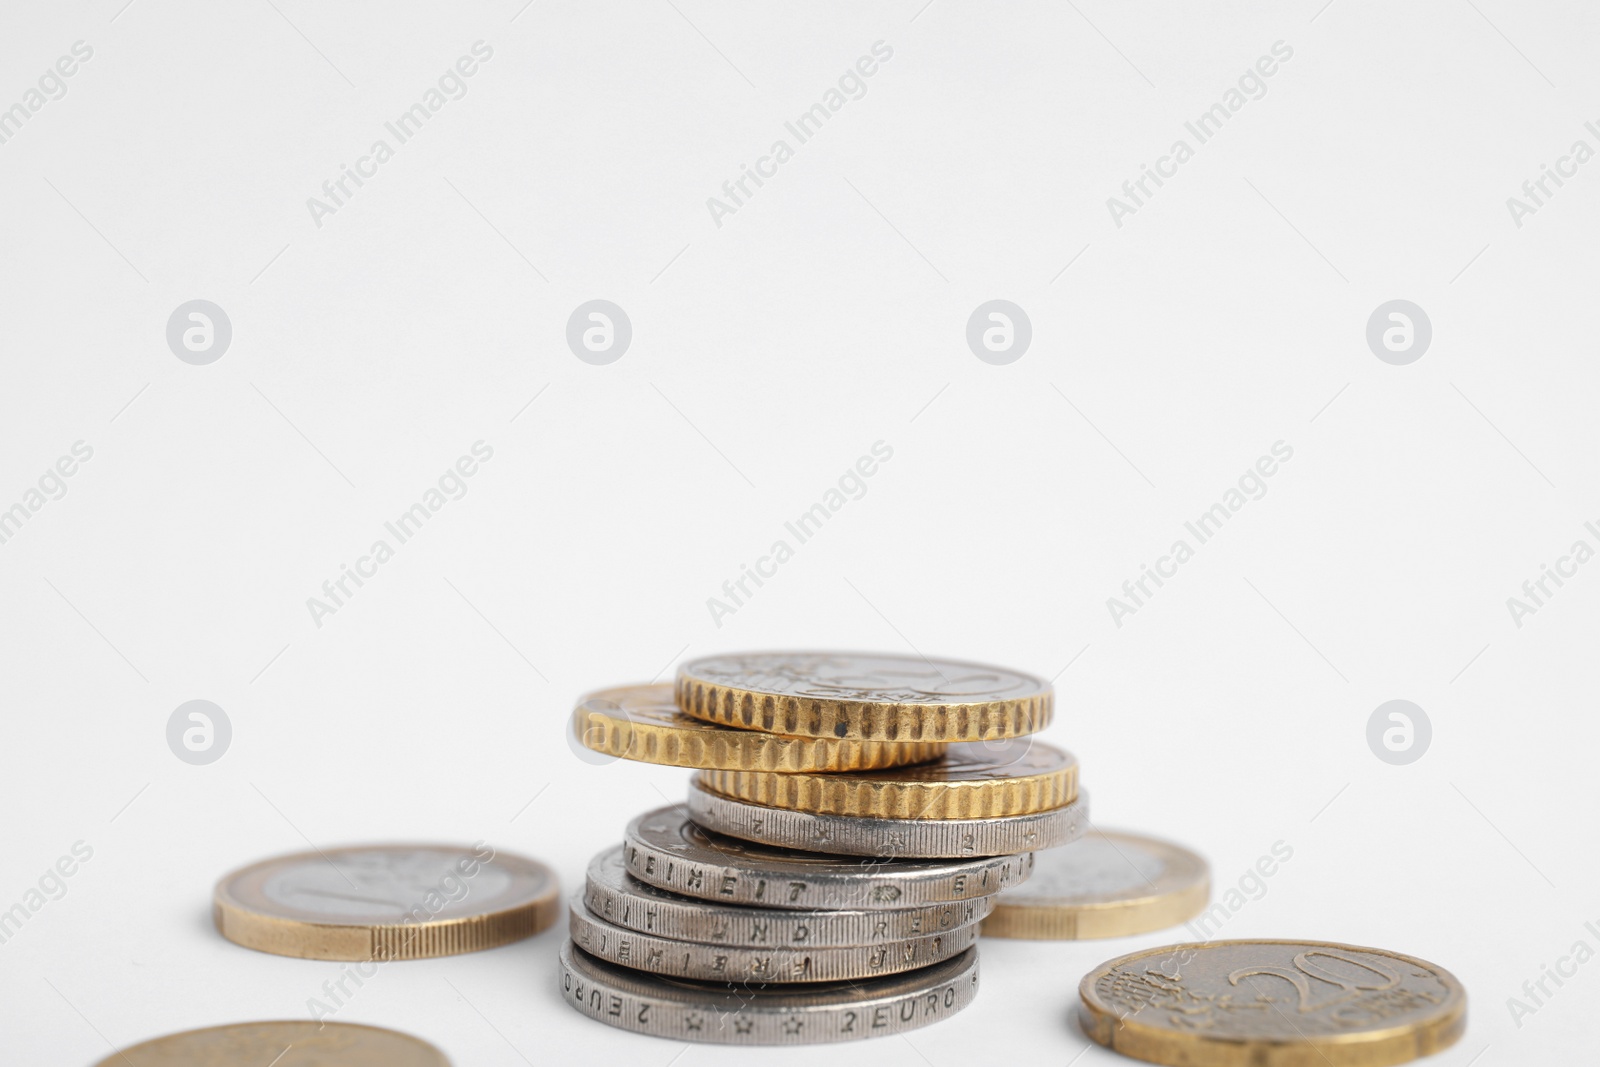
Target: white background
(768, 354)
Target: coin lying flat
(666, 850)
(386, 902)
(300, 1043)
(864, 696)
(1109, 884)
(888, 838)
(973, 781)
(1272, 1004)
(725, 963)
(643, 723)
(746, 1014)
(611, 894)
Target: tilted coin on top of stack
(852, 822)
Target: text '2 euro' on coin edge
(680, 1010)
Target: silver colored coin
(611, 894)
(746, 1014)
(666, 850)
(724, 963)
(846, 835)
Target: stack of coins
(852, 821)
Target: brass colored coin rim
(122, 1058)
(864, 720)
(253, 926)
(702, 745)
(1181, 892)
(1378, 1047)
(877, 794)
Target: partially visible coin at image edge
(282, 1043)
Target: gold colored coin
(386, 902)
(1272, 1004)
(302, 1043)
(642, 722)
(1106, 884)
(974, 780)
(864, 696)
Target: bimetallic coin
(864, 696)
(611, 894)
(386, 902)
(888, 838)
(749, 1014)
(667, 850)
(724, 963)
(1110, 884)
(642, 722)
(302, 1043)
(1272, 1004)
(973, 781)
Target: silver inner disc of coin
(386, 886)
(1094, 867)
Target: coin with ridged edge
(974, 780)
(386, 902)
(613, 895)
(282, 1043)
(864, 696)
(888, 838)
(643, 723)
(725, 963)
(749, 1014)
(1109, 884)
(1272, 1004)
(667, 850)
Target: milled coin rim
(1379, 1047)
(700, 961)
(253, 923)
(702, 745)
(624, 999)
(903, 792)
(679, 916)
(849, 835)
(1179, 893)
(121, 1059)
(750, 708)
